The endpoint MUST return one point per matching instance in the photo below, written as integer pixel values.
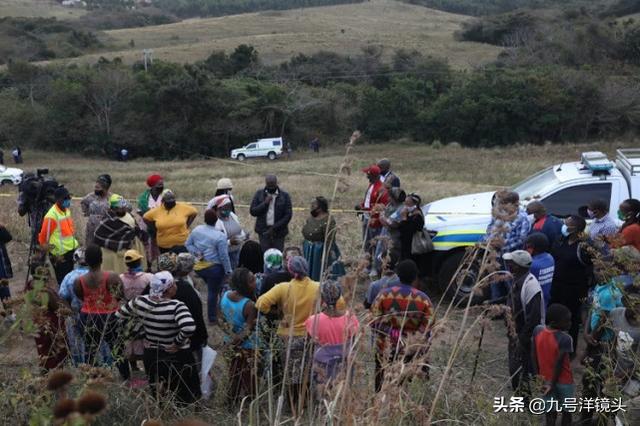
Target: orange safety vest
(58, 230)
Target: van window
(251, 146)
(276, 143)
(567, 201)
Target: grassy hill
(38, 9)
(279, 35)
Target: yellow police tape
(199, 203)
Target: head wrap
(221, 201)
(78, 256)
(330, 292)
(167, 262)
(160, 283)
(152, 180)
(185, 262)
(272, 260)
(298, 267)
(117, 201)
(105, 180)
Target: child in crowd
(389, 278)
(552, 347)
(239, 312)
(331, 330)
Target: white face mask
(410, 209)
(532, 218)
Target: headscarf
(167, 262)
(152, 180)
(78, 256)
(185, 263)
(105, 180)
(117, 201)
(298, 267)
(221, 201)
(160, 283)
(330, 292)
(272, 260)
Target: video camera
(36, 193)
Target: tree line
(173, 110)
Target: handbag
(421, 243)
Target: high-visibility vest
(61, 239)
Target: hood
(473, 210)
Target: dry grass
(280, 35)
(38, 9)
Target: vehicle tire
(6, 182)
(272, 156)
(461, 289)
(241, 157)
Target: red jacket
(379, 195)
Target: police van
(270, 148)
(459, 222)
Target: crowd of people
(131, 296)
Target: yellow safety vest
(61, 238)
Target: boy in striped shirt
(167, 325)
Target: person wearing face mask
(603, 225)
(95, 206)
(57, 234)
(573, 270)
(229, 224)
(411, 221)
(629, 214)
(224, 186)
(150, 199)
(116, 234)
(542, 222)
(171, 221)
(375, 198)
(317, 237)
(527, 309)
(272, 209)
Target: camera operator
(57, 234)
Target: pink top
(134, 284)
(327, 330)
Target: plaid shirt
(517, 232)
(114, 234)
(603, 227)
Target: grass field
(282, 34)
(432, 172)
(38, 9)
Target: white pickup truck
(459, 222)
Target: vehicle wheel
(241, 157)
(461, 288)
(6, 182)
(272, 155)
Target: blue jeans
(234, 258)
(75, 334)
(213, 276)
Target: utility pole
(147, 57)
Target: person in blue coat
(542, 222)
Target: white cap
(519, 257)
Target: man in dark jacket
(271, 207)
(543, 222)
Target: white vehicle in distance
(10, 175)
(269, 147)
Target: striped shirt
(164, 322)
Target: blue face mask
(565, 230)
(66, 204)
(136, 269)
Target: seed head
(91, 403)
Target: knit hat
(298, 267)
(167, 262)
(272, 260)
(153, 180)
(160, 283)
(224, 183)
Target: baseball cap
(132, 256)
(519, 257)
(372, 170)
(224, 183)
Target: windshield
(535, 185)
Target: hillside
(38, 9)
(279, 35)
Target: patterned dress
(94, 208)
